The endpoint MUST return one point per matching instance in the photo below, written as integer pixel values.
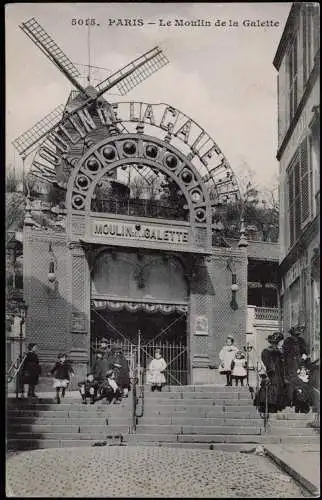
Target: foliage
(259, 210)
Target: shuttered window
(310, 38)
(299, 191)
(292, 74)
(304, 171)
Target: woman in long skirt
(295, 354)
(274, 382)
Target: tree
(258, 208)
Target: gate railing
(14, 373)
(175, 355)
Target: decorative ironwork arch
(117, 150)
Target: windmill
(123, 80)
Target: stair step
(292, 431)
(52, 420)
(197, 402)
(191, 429)
(288, 424)
(199, 388)
(63, 428)
(68, 407)
(194, 438)
(31, 444)
(201, 421)
(196, 395)
(60, 436)
(210, 412)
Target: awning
(115, 305)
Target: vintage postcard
(163, 249)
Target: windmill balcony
(266, 313)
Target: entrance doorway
(163, 327)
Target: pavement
(126, 471)
(300, 462)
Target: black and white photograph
(162, 239)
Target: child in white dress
(239, 368)
(226, 356)
(156, 369)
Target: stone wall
(211, 296)
(59, 314)
(47, 322)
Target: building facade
(297, 62)
(116, 262)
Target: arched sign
(95, 141)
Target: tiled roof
(259, 250)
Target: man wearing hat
(31, 370)
(122, 371)
(102, 362)
(295, 353)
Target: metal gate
(141, 352)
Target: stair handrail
(265, 414)
(137, 381)
(141, 394)
(134, 382)
(14, 373)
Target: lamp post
(23, 313)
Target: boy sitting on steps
(109, 388)
(88, 389)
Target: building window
(315, 339)
(292, 73)
(299, 190)
(295, 303)
(310, 38)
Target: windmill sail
(135, 72)
(26, 140)
(49, 47)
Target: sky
(222, 77)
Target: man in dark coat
(99, 369)
(272, 359)
(122, 371)
(31, 370)
(295, 353)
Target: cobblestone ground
(145, 472)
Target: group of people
(284, 372)
(109, 377)
(285, 380)
(233, 363)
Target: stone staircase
(215, 416)
(43, 423)
(185, 416)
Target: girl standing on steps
(239, 368)
(61, 373)
(226, 356)
(156, 370)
